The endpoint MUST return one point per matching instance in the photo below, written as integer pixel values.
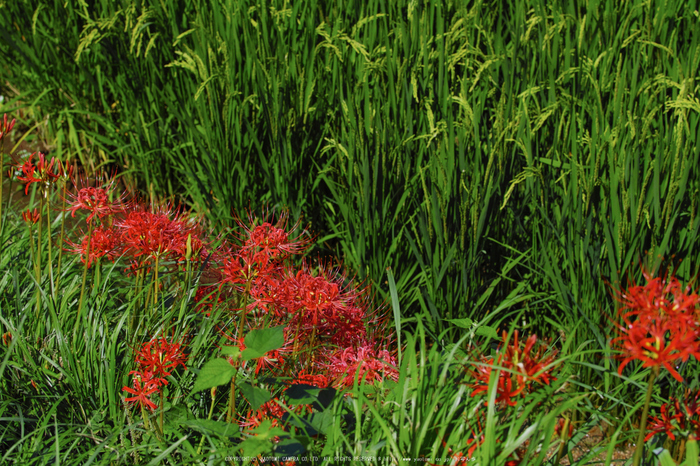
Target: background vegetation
(497, 156)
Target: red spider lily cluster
(99, 201)
(42, 172)
(156, 360)
(334, 337)
(363, 362)
(327, 318)
(132, 230)
(660, 324)
(522, 369)
(677, 418)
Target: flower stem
(2, 169)
(82, 288)
(639, 451)
(211, 413)
(232, 401)
(48, 229)
(63, 230)
(37, 260)
(144, 415)
(162, 409)
(155, 282)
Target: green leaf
(322, 421)
(260, 341)
(463, 323)
(666, 459)
(486, 331)
(208, 426)
(482, 330)
(253, 447)
(214, 373)
(691, 453)
(255, 396)
(303, 394)
(261, 442)
(233, 351)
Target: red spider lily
(42, 173)
(658, 330)
(31, 217)
(652, 300)
(257, 277)
(255, 418)
(158, 357)
(676, 418)
(273, 410)
(193, 248)
(142, 393)
(667, 422)
(520, 369)
(96, 200)
(316, 301)
(154, 234)
(348, 328)
(104, 242)
(657, 344)
(273, 240)
(316, 380)
(561, 425)
(530, 366)
(6, 128)
(370, 365)
(263, 295)
(504, 389)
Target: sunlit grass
(503, 159)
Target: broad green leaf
(233, 351)
(214, 373)
(302, 394)
(256, 396)
(260, 341)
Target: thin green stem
(162, 410)
(155, 282)
(63, 230)
(2, 170)
(144, 415)
(38, 260)
(639, 451)
(48, 229)
(211, 413)
(82, 288)
(232, 401)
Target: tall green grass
(494, 155)
(408, 133)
